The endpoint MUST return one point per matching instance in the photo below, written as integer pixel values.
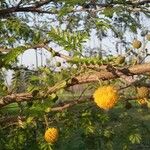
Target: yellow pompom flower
(106, 97)
(51, 135)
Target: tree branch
(84, 78)
(57, 53)
(105, 75)
(11, 119)
(23, 9)
(36, 7)
(41, 3)
(61, 107)
(19, 3)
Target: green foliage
(87, 61)
(73, 2)
(3, 87)
(70, 41)
(81, 124)
(82, 127)
(105, 24)
(135, 138)
(14, 29)
(12, 55)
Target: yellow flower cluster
(51, 135)
(106, 97)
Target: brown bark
(36, 7)
(106, 74)
(111, 74)
(60, 107)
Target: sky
(107, 44)
(28, 58)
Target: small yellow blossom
(51, 135)
(106, 97)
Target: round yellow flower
(106, 97)
(51, 135)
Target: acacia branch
(84, 78)
(71, 104)
(106, 75)
(24, 9)
(11, 119)
(23, 48)
(89, 98)
(27, 47)
(36, 7)
(20, 97)
(57, 53)
(41, 3)
(61, 107)
(39, 45)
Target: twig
(84, 78)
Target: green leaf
(108, 12)
(135, 138)
(70, 41)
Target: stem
(46, 121)
(49, 146)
